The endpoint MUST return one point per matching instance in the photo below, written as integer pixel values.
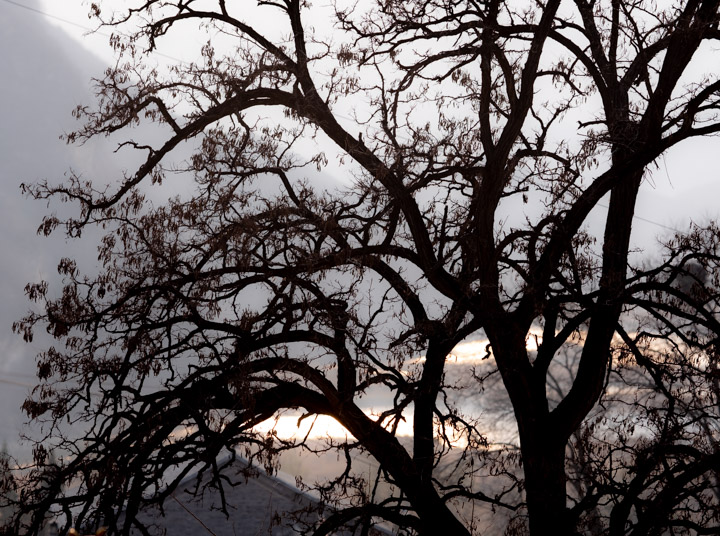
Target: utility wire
(78, 25)
(40, 12)
(193, 515)
(646, 220)
(16, 383)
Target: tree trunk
(542, 443)
(545, 480)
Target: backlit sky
(46, 64)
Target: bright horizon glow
(286, 427)
(467, 353)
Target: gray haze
(44, 75)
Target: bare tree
(258, 291)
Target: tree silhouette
(260, 289)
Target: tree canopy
(374, 184)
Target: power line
(646, 220)
(17, 384)
(193, 515)
(50, 16)
(636, 217)
(78, 25)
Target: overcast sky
(45, 67)
(43, 76)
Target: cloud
(44, 75)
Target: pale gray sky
(669, 195)
(44, 74)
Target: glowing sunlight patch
(286, 427)
(468, 352)
(475, 351)
(316, 427)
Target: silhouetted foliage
(260, 289)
